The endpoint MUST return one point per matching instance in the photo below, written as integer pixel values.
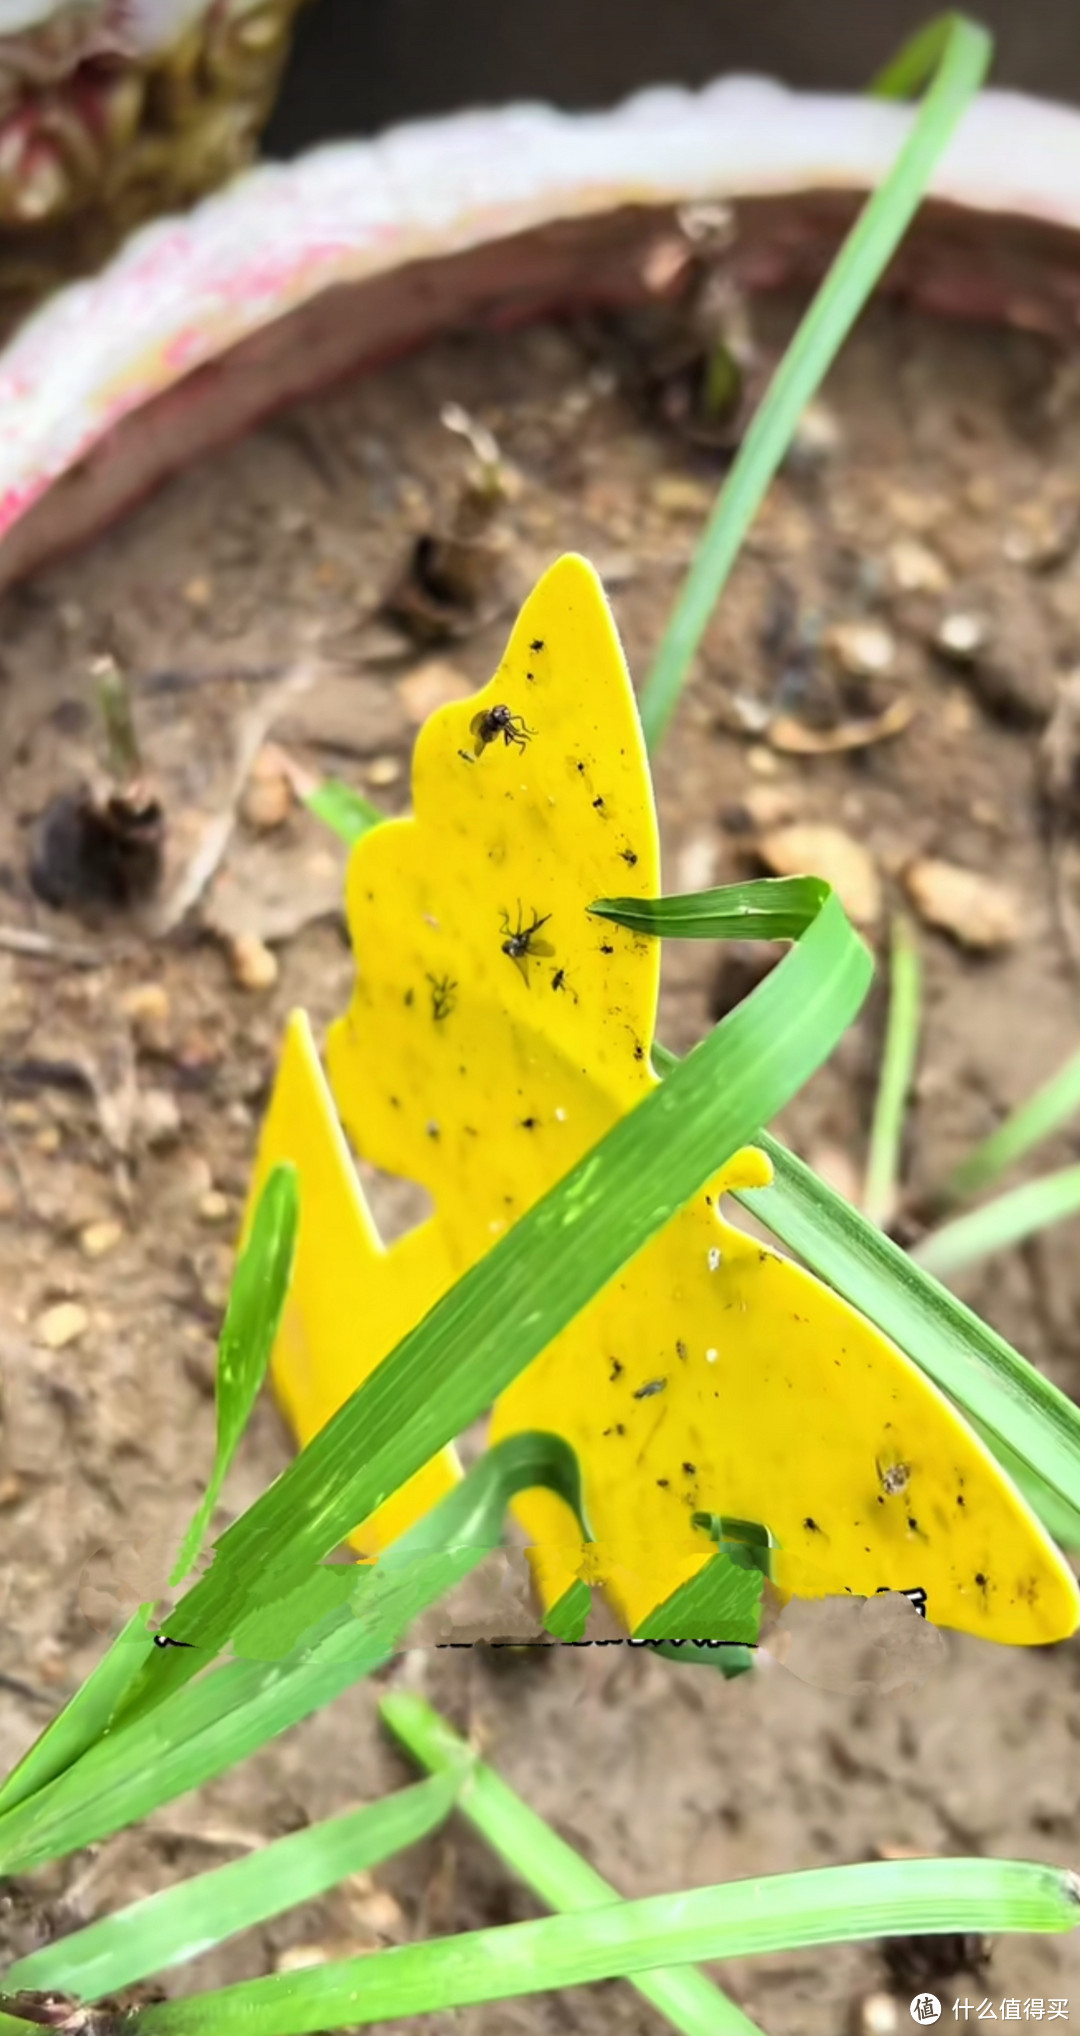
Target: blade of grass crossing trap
(964, 55)
(834, 1905)
(769, 908)
(198, 1914)
(549, 1866)
(1009, 1402)
(1006, 1399)
(212, 1724)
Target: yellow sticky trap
(495, 1033)
(350, 1301)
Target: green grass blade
(897, 1073)
(569, 1616)
(347, 813)
(908, 71)
(84, 1719)
(248, 1335)
(769, 908)
(836, 1905)
(964, 59)
(1044, 1113)
(181, 1922)
(1009, 1402)
(506, 1310)
(219, 1720)
(1002, 1223)
(722, 1602)
(548, 1865)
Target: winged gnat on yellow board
(496, 1031)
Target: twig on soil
(42, 947)
(195, 878)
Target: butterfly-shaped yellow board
(495, 1033)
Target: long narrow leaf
(181, 1922)
(869, 247)
(836, 1905)
(769, 908)
(907, 72)
(248, 1336)
(897, 1069)
(347, 813)
(1013, 1406)
(1032, 1427)
(1001, 1223)
(216, 1722)
(1043, 1114)
(85, 1717)
(548, 1865)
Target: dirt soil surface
(939, 484)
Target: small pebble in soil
(961, 635)
(876, 2015)
(147, 1007)
(254, 965)
(761, 806)
(268, 795)
(862, 649)
(822, 851)
(62, 1324)
(158, 1118)
(375, 1908)
(98, 1239)
(681, 495)
(977, 912)
(214, 1207)
(1041, 535)
(915, 569)
(384, 770)
(696, 865)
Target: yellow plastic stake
(495, 1032)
